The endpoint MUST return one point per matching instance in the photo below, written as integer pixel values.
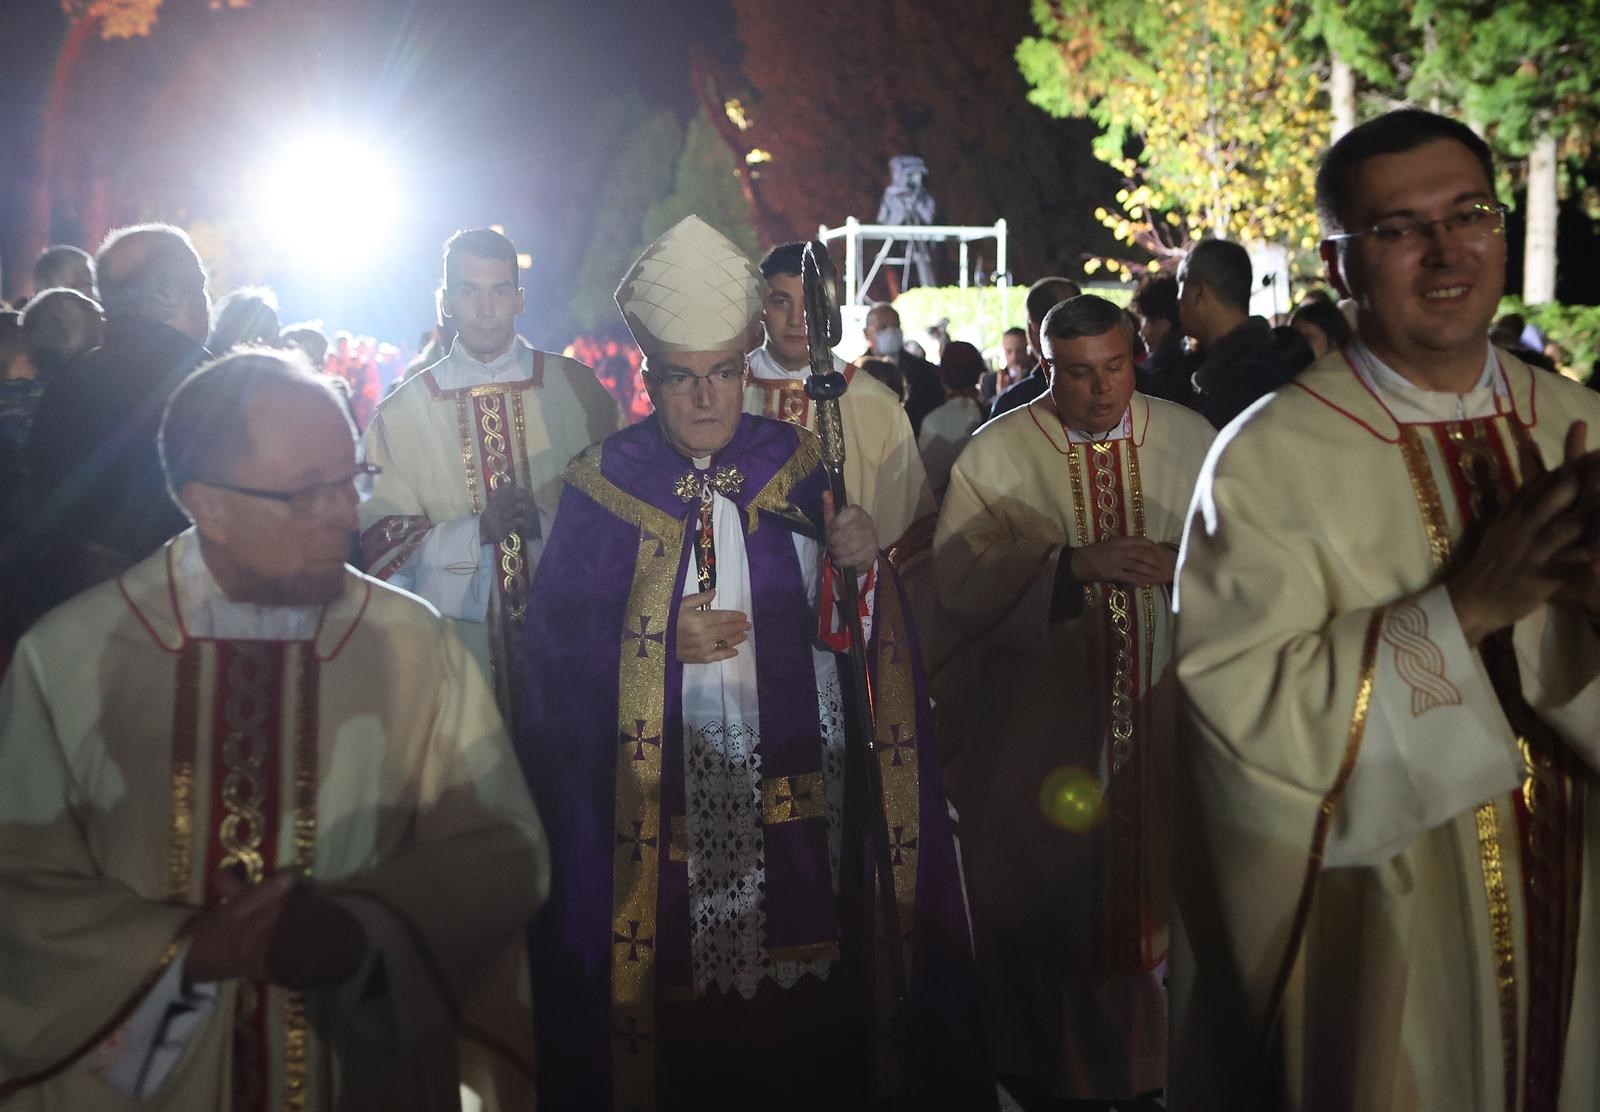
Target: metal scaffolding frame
(853, 232)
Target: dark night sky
(487, 106)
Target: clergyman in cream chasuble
(139, 754)
(448, 439)
(1070, 909)
(1386, 875)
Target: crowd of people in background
(627, 571)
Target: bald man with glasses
(263, 831)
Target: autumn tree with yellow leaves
(1208, 108)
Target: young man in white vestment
(469, 447)
(882, 468)
(1054, 559)
(1387, 640)
(261, 831)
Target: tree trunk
(1342, 96)
(1539, 248)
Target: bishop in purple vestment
(712, 938)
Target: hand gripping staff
(824, 387)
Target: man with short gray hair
(1054, 560)
(100, 501)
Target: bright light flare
(328, 199)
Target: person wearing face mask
(885, 340)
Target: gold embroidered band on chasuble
(244, 798)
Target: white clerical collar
(205, 611)
(460, 369)
(1123, 430)
(764, 365)
(1412, 404)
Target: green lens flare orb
(1071, 799)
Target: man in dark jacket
(100, 499)
(1240, 360)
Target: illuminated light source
(1072, 799)
(524, 260)
(757, 157)
(328, 198)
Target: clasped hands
(282, 931)
(1135, 561)
(707, 636)
(1543, 546)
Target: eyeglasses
(676, 383)
(309, 498)
(1474, 222)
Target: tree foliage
(658, 172)
(1205, 108)
(1514, 68)
(706, 185)
(639, 173)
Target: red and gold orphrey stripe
(1548, 810)
(1105, 481)
(786, 400)
(244, 783)
(488, 417)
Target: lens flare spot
(1071, 799)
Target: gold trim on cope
(774, 495)
(899, 755)
(791, 798)
(635, 869)
(584, 474)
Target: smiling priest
(712, 939)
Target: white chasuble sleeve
(78, 949)
(439, 912)
(1436, 743)
(1558, 653)
(1299, 700)
(899, 490)
(453, 569)
(995, 578)
(450, 567)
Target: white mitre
(691, 290)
